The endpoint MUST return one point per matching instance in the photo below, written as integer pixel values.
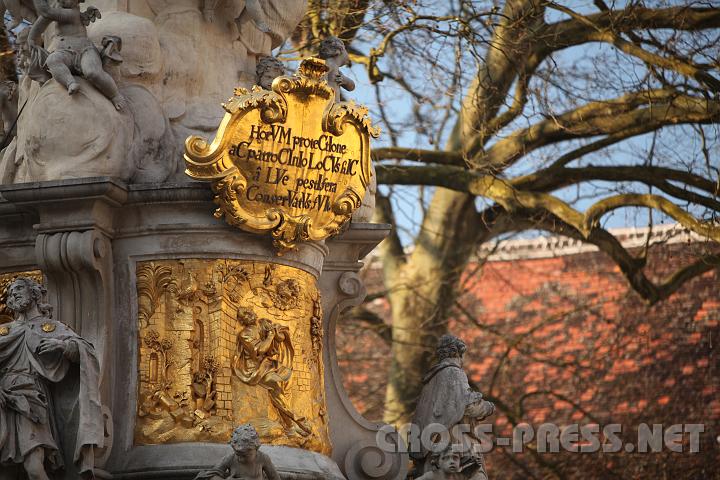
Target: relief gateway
(227, 342)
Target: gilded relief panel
(225, 342)
(6, 279)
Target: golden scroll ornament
(225, 342)
(290, 161)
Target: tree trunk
(423, 290)
(422, 294)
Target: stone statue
(268, 69)
(446, 466)
(180, 58)
(73, 52)
(252, 7)
(19, 10)
(8, 106)
(22, 50)
(42, 362)
(264, 357)
(332, 50)
(447, 399)
(246, 462)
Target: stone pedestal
(88, 237)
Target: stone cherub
(445, 466)
(333, 51)
(8, 106)
(73, 51)
(37, 352)
(268, 69)
(246, 462)
(447, 399)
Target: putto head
(268, 69)
(289, 289)
(332, 47)
(447, 459)
(450, 346)
(245, 437)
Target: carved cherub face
(268, 69)
(334, 48)
(288, 289)
(449, 462)
(245, 454)
(245, 443)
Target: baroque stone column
(97, 241)
(72, 233)
(356, 445)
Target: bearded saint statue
(46, 369)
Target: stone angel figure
(44, 368)
(268, 69)
(446, 465)
(332, 50)
(447, 399)
(245, 462)
(72, 52)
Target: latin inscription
(293, 170)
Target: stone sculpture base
(88, 237)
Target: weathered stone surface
(46, 372)
(447, 399)
(88, 237)
(176, 68)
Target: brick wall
(563, 339)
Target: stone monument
(447, 400)
(245, 462)
(199, 322)
(445, 465)
(46, 371)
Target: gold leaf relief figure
(225, 342)
(265, 357)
